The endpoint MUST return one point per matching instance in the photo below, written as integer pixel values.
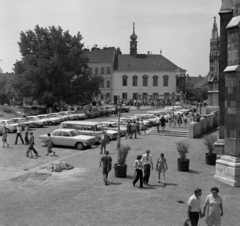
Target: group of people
(143, 166)
(212, 210)
(29, 140)
(135, 128)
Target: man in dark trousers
(31, 147)
(104, 142)
(19, 134)
(106, 162)
(147, 163)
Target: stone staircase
(170, 132)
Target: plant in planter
(210, 156)
(121, 167)
(183, 161)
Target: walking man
(147, 163)
(134, 129)
(31, 146)
(129, 130)
(138, 175)
(162, 122)
(106, 162)
(194, 207)
(19, 134)
(138, 127)
(157, 120)
(26, 130)
(104, 141)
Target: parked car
(10, 125)
(114, 126)
(70, 138)
(88, 113)
(81, 116)
(1, 130)
(102, 111)
(69, 115)
(125, 108)
(148, 117)
(131, 119)
(44, 119)
(37, 122)
(96, 112)
(57, 115)
(23, 122)
(110, 108)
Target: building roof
(144, 62)
(203, 82)
(101, 55)
(193, 82)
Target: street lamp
(173, 102)
(119, 108)
(200, 98)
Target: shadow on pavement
(194, 172)
(113, 183)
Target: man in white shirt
(157, 120)
(147, 163)
(194, 207)
(19, 134)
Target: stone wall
(207, 123)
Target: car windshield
(42, 116)
(74, 133)
(62, 113)
(16, 120)
(10, 122)
(99, 127)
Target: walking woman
(143, 126)
(185, 121)
(213, 208)
(49, 145)
(161, 167)
(4, 137)
(138, 175)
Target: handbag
(186, 223)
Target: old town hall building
(135, 76)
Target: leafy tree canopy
(53, 67)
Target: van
(85, 128)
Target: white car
(56, 115)
(80, 115)
(35, 120)
(64, 115)
(71, 115)
(132, 119)
(70, 138)
(147, 117)
(10, 125)
(114, 126)
(44, 119)
(49, 120)
(22, 121)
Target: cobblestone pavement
(79, 197)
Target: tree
(53, 67)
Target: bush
(209, 142)
(182, 147)
(122, 153)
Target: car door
(67, 139)
(57, 137)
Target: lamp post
(200, 98)
(173, 102)
(119, 107)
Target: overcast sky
(181, 28)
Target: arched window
(145, 80)
(134, 80)
(165, 80)
(124, 80)
(155, 80)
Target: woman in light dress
(213, 208)
(4, 137)
(161, 167)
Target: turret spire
(133, 43)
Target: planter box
(211, 159)
(120, 171)
(183, 165)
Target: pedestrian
(49, 144)
(157, 120)
(134, 129)
(116, 111)
(106, 161)
(194, 207)
(4, 137)
(175, 120)
(143, 127)
(138, 126)
(26, 130)
(179, 120)
(170, 120)
(161, 167)
(138, 174)
(147, 163)
(185, 121)
(198, 118)
(162, 123)
(104, 141)
(19, 133)
(31, 147)
(129, 130)
(213, 208)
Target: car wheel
(50, 123)
(79, 146)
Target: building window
(134, 80)
(124, 96)
(96, 71)
(177, 81)
(102, 70)
(144, 96)
(124, 80)
(135, 96)
(165, 80)
(155, 80)
(108, 83)
(145, 80)
(108, 70)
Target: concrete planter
(211, 159)
(120, 171)
(183, 165)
